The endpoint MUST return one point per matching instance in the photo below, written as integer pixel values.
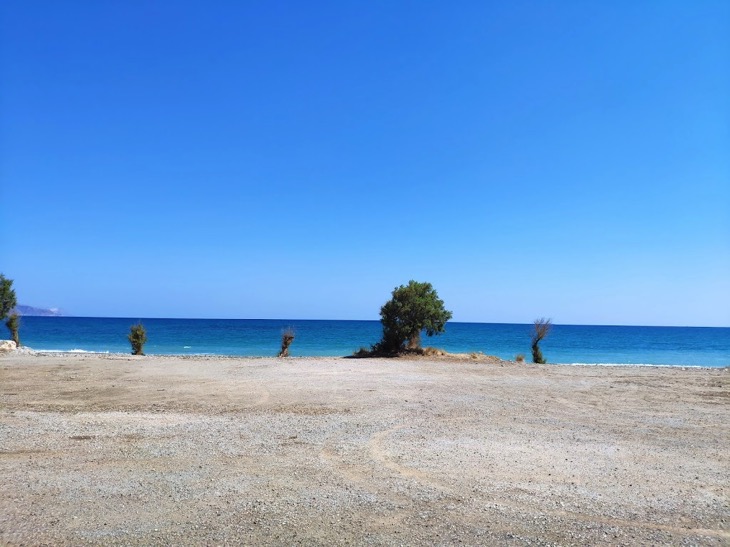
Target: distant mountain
(30, 310)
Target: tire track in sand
(380, 455)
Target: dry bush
(542, 328)
(287, 337)
(433, 352)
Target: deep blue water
(697, 346)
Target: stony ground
(117, 450)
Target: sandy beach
(122, 450)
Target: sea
(566, 344)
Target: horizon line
(132, 318)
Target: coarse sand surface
(123, 450)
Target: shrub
(138, 338)
(412, 309)
(287, 337)
(431, 352)
(7, 296)
(520, 358)
(542, 328)
(7, 303)
(13, 323)
(362, 352)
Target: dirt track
(139, 451)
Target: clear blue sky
(301, 159)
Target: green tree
(7, 304)
(13, 324)
(542, 328)
(138, 338)
(413, 308)
(7, 296)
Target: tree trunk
(415, 341)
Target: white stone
(7, 345)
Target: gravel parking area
(122, 450)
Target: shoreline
(140, 450)
(452, 356)
(568, 344)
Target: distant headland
(21, 309)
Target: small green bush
(138, 338)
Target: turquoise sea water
(693, 346)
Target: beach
(164, 450)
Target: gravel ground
(122, 450)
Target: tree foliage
(7, 304)
(542, 328)
(13, 324)
(7, 296)
(138, 338)
(413, 308)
